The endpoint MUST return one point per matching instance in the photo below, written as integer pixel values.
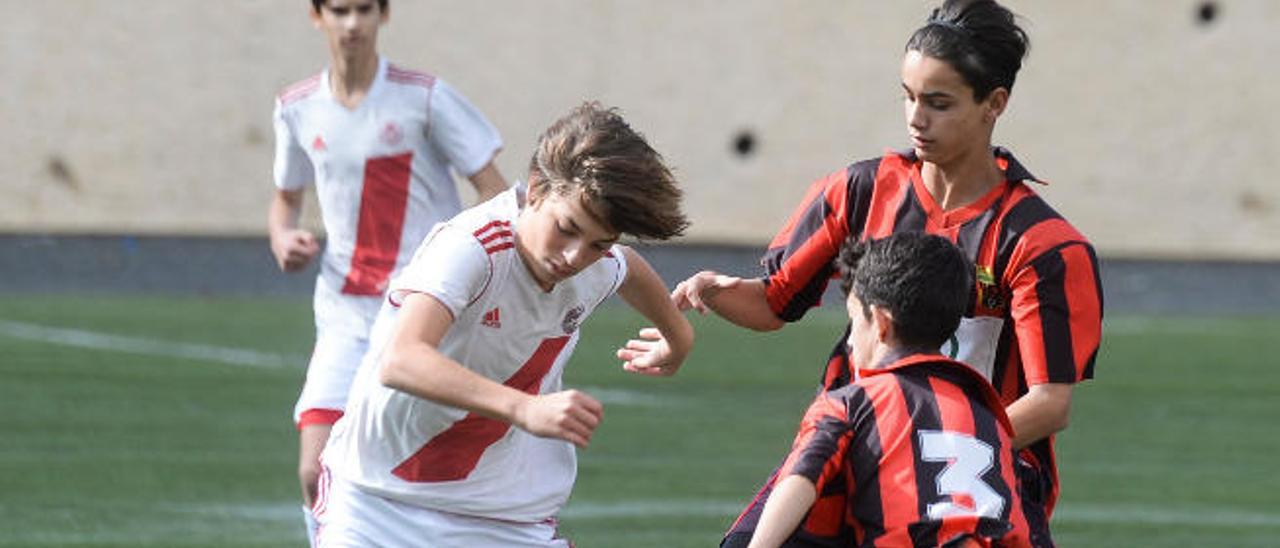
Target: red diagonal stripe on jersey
(382, 206)
(452, 454)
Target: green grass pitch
(113, 433)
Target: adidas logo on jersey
(318, 144)
(492, 319)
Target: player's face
(943, 119)
(557, 237)
(862, 335)
(351, 26)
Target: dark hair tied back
(980, 39)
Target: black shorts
(1034, 487)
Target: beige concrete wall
(154, 117)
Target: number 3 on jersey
(968, 459)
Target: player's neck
(962, 181)
(351, 78)
(887, 354)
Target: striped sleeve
(820, 444)
(451, 265)
(1056, 306)
(800, 259)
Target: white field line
(150, 347)
(166, 521)
(1099, 513)
(240, 356)
(587, 510)
(1137, 513)
(80, 338)
(629, 398)
(1077, 513)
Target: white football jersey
(505, 328)
(381, 170)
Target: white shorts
(352, 518)
(343, 324)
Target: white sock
(312, 526)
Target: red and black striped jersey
(1036, 310)
(917, 453)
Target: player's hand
(651, 355)
(569, 415)
(294, 249)
(692, 292)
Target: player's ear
(537, 191)
(882, 323)
(995, 104)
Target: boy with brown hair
(475, 339)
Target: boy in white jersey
(379, 143)
(458, 432)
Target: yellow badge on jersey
(990, 298)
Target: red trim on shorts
(318, 416)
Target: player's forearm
(425, 372)
(788, 503)
(284, 212)
(1044, 410)
(488, 182)
(412, 363)
(644, 291)
(675, 328)
(744, 304)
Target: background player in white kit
(488, 314)
(379, 143)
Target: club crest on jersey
(990, 298)
(572, 318)
(391, 134)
